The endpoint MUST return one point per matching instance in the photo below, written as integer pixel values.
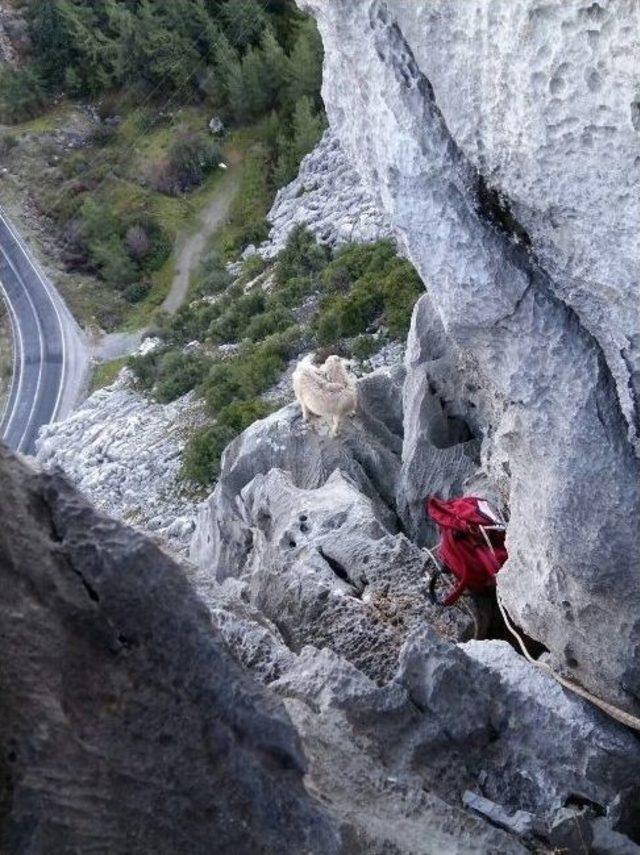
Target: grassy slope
(136, 143)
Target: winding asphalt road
(50, 357)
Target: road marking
(40, 346)
(17, 334)
(46, 285)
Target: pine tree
(22, 94)
(243, 21)
(305, 65)
(307, 127)
(276, 67)
(253, 80)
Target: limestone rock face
(124, 452)
(125, 723)
(498, 712)
(149, 736)
(330, 198)
(326, 571)
(367, 451)
(517, 287)
(439, 454)
(550, 98)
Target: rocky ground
(301, 693)
(124, 452)
(329, 197)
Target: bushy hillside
(147, 78)
(234, 340)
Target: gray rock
(124, 452)
(482, 719)
(571, 832)
(366, 451)
(557, 412)
(579, 750)
(390, 810)
(606, 841)
(329, 197)
(439, 455)
(125, 722)
(520, 823)
(323, 567)
(550, 97)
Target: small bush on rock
(202, 455)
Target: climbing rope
(611, 710)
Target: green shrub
(177, 374)
(191, 157)
(232, 325)
(402, 287)
(275, 320)
(353, 261)
(114, 263)
(145, 368)
(253, 371)
(22, 94)
(365, 346)
(348, 315)
(247, 217)
(7, 143)
(364, 284)
(252, 267)
(138, 291)
(146, 242)
(240, 414)
(202, 455)
(211, 276)
(301, 256)
(294, 292)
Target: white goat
(327, 391)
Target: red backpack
(471, 545)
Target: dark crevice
(339, 571)
(577, 800)
(92, 593)
(494, 206)
(496, 628)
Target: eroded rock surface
(124, 452)
(330, 198)
(440, 456)
(150, 737)
(367, 451)
(556, 413)
(125, 723)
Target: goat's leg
(337, 421)
(305, 411)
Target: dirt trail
(191, 247)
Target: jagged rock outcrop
(476, 718)
(557, 407)
(125, 725)
(367, 451)
(440, 457)
(323, 567)
(124, 452)
(330, 198)
(149, 737)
